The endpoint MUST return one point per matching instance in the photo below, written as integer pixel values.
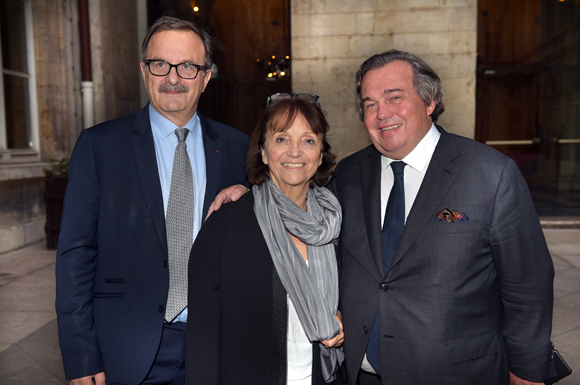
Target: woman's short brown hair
(278, 117)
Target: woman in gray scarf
(263, 280)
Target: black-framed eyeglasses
(184, 70)
(282, 95)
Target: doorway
(528, 92)
(251, 54)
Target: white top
(417, 163)
(299, 349)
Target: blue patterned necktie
(179, 225)
(392, 229)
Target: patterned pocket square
(448, 215)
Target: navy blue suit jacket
(111, 269)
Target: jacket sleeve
(526, 275)
(203, 330)
(76, 265)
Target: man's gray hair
(426, 81)
(168, 23)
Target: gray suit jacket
(464, 302)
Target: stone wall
(115, 57)
(331, 39)
(116, 73)
(58, 95)
(22, 208)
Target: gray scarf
(313, 288)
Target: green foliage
(58, 168)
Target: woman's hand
(339, 339)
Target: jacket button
(384, 287)
(160, 308)
(164, 263)
(365, 329)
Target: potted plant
(55, 186)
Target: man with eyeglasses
(139, 189)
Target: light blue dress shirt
(165, 143)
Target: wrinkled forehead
(185, 45)
(394, 76)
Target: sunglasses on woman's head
(282, 95)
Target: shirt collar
(420, 156)
(164, 127)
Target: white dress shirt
(298, 349)
(417, 163)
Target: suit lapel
(371, 187)
(146, 161)
(438, 179)
(212, 150)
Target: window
(19, 137)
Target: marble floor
(29, 352)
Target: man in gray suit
(456, 287)
(464, 296)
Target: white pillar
(87, 90)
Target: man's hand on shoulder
(88, 380)
(230, 194)
(515, 380)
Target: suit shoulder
(225, 130)
(111, 133)
(354, 159)
(479, 152)
(237, 215)
(114, 126)
(239, 209)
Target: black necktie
(392, 229)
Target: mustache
(173, 88)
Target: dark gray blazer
(464, 302)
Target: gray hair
(168, 23)
(426, 81)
